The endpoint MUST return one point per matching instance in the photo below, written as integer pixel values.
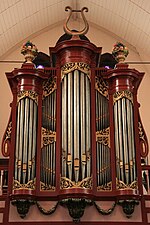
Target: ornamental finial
(30, 51)
(120, 52)
(81, 32)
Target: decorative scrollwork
(101, 86)
(143, 141)
(121, 185)
(123, 94)
(66, 183)
(106, 187)
(30, 94)
(30, 185)
(46, 187)
(103, 137)
(49, 86)
(47, 212)
(6, 141)
(9, 130)
(69, 67)
(48, 137)
(107, 211)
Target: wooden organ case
(75, 135)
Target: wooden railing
(3, 177)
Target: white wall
(48, 39)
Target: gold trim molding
(121, 185)
(69, 67)
(30, 94)
(29, 186)
(106, 187)
(66, 183)
(45, 187)
(122, 94)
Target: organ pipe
(26, 130)
(75, 117)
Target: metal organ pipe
(25, 141)
(124, 138)
(76, 126)
(48, 160)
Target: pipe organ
(76, 134)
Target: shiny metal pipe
(88, 126)
(133, 143)
(25, 141)
(54, 110)
(21, 140)
(125, 139)
(129, 138)
(76, 122)
(82, 122)
(64, 128)
(69, 118)
(117, 147)
(98, 166)
(30, 139)
(54, 161)
(17, 142)
(34, 139)
(76, 114)
(120, 136)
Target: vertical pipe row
(64, 130)
(70, 124)
(88, 124)
(124, 140)
(48, 151)
(76, 126)
(25, 140)
(82, 123)
(103, 151)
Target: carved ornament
(69, 67)
(123, 94)
(30, 94)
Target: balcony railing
(3, 177)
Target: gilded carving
(30, 185)
(7, 138)
(69, 67)
(30, 94)
(9, 130)
(143, 141)
(101, 86)
(46, 187)
(66, 183)
(121, 185)
(123, 94)
(103, 137)
(48, 137)
(49, 86)
(106, 187)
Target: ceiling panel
(127, 19)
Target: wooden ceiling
(127, 19)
